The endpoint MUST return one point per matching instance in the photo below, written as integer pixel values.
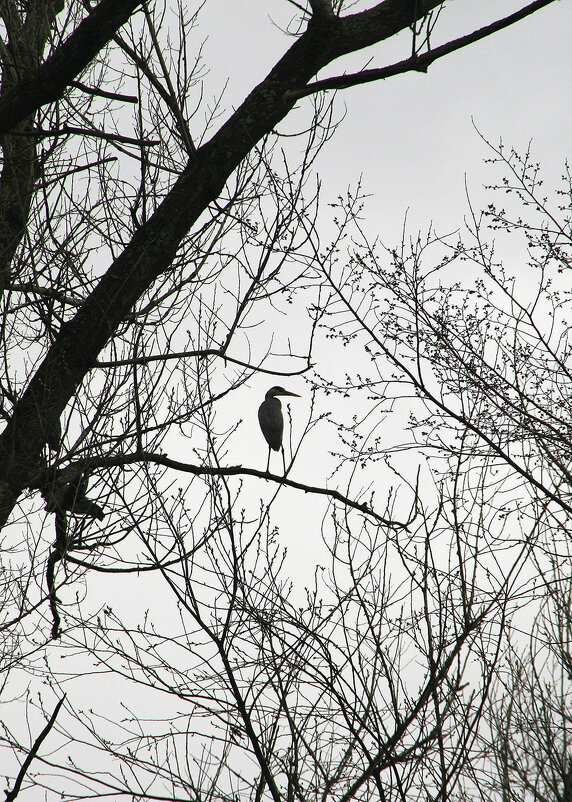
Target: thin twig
(11, 795)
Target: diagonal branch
(54, 76)
(419, 63)
(11, 795)
(155, 244)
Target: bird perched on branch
(272, 421)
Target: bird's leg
(283, 461)
(268, 463)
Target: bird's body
(272, 421)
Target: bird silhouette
(272, 421)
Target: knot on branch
(62, 498)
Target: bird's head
(274, 391)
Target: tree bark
(48, 82)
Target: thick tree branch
(54, 76)
(20, 56)
(155, 244)
(321, 8)
(419, 63)
(91, 464)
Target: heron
(272, 422)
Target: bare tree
(141, 242)
(526, 745)
(481, 366)
(139, 258)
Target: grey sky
(412, 136)
(413, 142)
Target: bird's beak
(286, 392)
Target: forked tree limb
(55, 75)
(420, 63)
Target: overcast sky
(413, 142)
(412, 136)
(412, 139)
